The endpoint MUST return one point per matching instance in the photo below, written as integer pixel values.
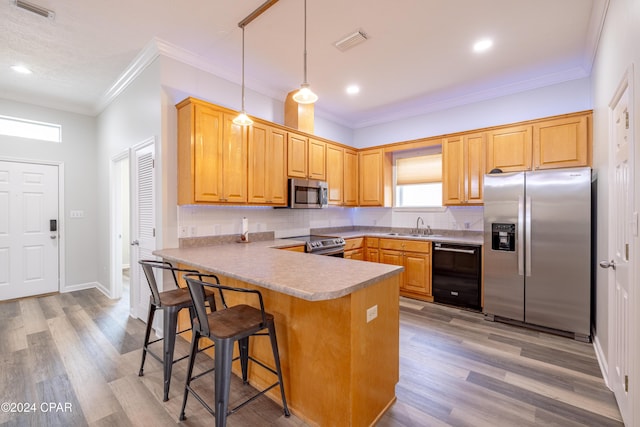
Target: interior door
(29, 248)
(142, 224)
(620, 232)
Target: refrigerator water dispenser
(503, 237)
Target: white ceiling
(418, 57)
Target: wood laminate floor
(72, 360)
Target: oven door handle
(462, 251)
(328, 252)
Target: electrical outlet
(372, 313)
(193, 231)
(184, 231)
(467, 225)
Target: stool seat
(224, 327)
(238, 321)
(178, 297)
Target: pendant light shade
(242, 119)
(305, 95)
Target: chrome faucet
(418, 221)
(429, 232)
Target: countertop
(468, 240)
(302, 275)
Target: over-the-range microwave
(307, 193)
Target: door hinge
(626, 120)
(154, 232)
(626, 251)
(626, 383)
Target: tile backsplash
(198, 221)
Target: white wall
(78, 154)
(134, 116)
(567, 97)
(617, 52)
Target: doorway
(120, 220)
(30, 245)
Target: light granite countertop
(306, 276)
(464, 240)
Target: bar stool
(224, 327)
(171, 302)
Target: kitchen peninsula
(337, 322)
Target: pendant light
(242, 119)
(305, 95)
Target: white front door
(143, 230)
(28, 229)
(620, 241)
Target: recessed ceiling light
(21, 69)
(353, 89)
(482, 45)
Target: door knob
(608, 264)
(135, 243)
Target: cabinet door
(234, 161)
(296, 155)
(267, 178)
(417, 273)
(474, 157)
(510, 149)
(371, 178)
(277, 167)
(335, 174)
(317, 155)
(350, 180)
(355, 254)
(561, 143)
(209, 127)
(387, 256)
(453, 171)
(372, 255)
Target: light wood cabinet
(212, 155)
(267, 171)
(350, 182)
(354, 248)
(335, 174)
(415, 257)
(299, 248)
(342, 175)
(306, 157)
(374, 178)
(371, 251)
(463, 159)
(510, 148)
(561, 143)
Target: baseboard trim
(602, 360)
(80, 287)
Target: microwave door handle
(520, 236)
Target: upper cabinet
(306, 157)
(509, 148)
(212, 155)
(375, 178)
(557, 142)
(561, 143)
(342, 175)
(267, 172)
(463, 159)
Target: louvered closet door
(142, 224)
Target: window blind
(419, 170)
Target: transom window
(418, 178)
(13, 126)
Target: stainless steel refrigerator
(537, 247)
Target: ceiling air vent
(34, 8)
(351, 40)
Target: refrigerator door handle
(527, 220)
(520, 236)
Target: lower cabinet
(415, 257)
(371, 252)
(353, 248)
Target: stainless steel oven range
(323, 245)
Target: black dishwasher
(456, 274)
